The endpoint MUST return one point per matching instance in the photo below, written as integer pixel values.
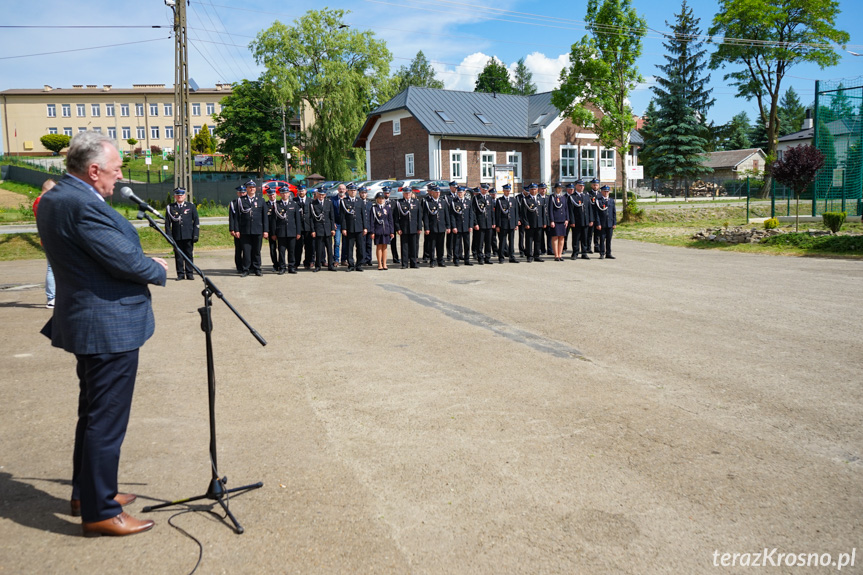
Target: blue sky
(458, 36)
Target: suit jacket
(436, 216)
(530, 211)
(182, 223)
(382, 220)
(352, 214)
(304, 207)
(286, 219)
(320, 218)
(506, 213)
(580, 211)
(483, 211)
(605, 212)
(556, 214)
(542, 202)
(466, 219)
(233, 221)
(408, 216)
(252, 215)
(102, 302)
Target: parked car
(374, 186)
(400, 184)
(265, 188)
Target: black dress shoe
(610, 258)
(529, 260)
(180, 279)
(513, 261)
(396, 261)
(414, 266)
(488, 261)
(467, 263)
(244, 274)
(584, 257)
(331, 268)
(538, 260)
(602, 256)
(317, 269)
(281, 272)
(455, 263)
(259, 273)
(292, 270)
(190, 277)
(441, 264)
(573, 256)
(349, 269)
(480, 262)
(433, 265)
(500, 261)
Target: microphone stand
(216, 490)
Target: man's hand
(161, 262)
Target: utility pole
(182, 147)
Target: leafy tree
(249, 127)
(797, 169)
(523, 82)
(203, 143)
(339, 72)
(738, 133)
(131, 142)
(840, 104)
(494, 78)
(594, 90)
(758, 135)
(647, 154)
(791, 113)
(768, 37)
(55, 142)
(683, 99)
(419, 73)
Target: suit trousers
(251, 252)
(287, 247)
(604, 240)
(522, 235)
(323, 250)
(274, 251)
(505, 247)
(306, 242)
(106, 383)
(579, 240)
(353, 243)
(533, 242)
(461, 246)
(238, 254)
(450, 246)
(394, 247)
(482, 243)
(436, 241)
(367, 249)
(410, 247)
(188, 248)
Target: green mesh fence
(838, 121)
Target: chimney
(47, 88)
(92, 86)
(106, 87)
(77, 85)
(807, 122)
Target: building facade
(144, 112)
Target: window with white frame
(606, 158)
(154, 109)
(211, 108)
(52, 110)
(486, 166)
(514, 158)
(169, 109)
(141, 133)
(109, 110)
(139, 109)
(195, 130)
(82, 129)
(397, 127)
(196, 109)
(409, 165)
(127, 132)
(97, 129)
(52, 130)
(124, 110)
(67, 110)
(67, 132)
(112, 133)
(81, 109)
(568, 162)
(95, 110)
(154, 132)
(458, 165)
(169, 132)
(588, 162)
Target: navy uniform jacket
(483, 211)
(557, 214)
(320, 218)
(181, 223)
(436, 216)
(605, 212)
(367, 212)
(506, 213)
(580, 211)
(252, 216)
(408, 216)
(530, 213)
(102, 303)
(543, 210)
(233, 224)
(352, 215)
(382, 220)
(462, 217)
(286, 219)
(304, 207)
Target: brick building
(448, 135)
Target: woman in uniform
(558, 217)
(382, 228)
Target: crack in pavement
(531, 340)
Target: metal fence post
(773, 199)
(747, 199)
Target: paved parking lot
(629, 416)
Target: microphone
(127, 193)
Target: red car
(265, 188)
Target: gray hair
(87, 148)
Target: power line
(83, 49)
(82, 26)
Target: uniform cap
(579, 182)
(453, 183)
(532, 185)
(351, 186)
(179, 192)
(379, 195)
(484, 186)
(570, 186)
(604, 188)
(240, 188)
(385, 189)
(542, 185)
(594, 181)
(507, 187)
(558, 185)
(362, 189)
(251, 184)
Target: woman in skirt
(382, 228)
(558, 216)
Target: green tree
(203, 143)
(765, 38)
(131, 142)
(791, 113)
(683, 98)
(738, 133)
(758, 135)
(523, 82)
(419, 73)
(494, 78)
(339, 72)
(250, 126)
(55, 142)
(647, 154)
(796, 170)
(840, 104)
(594, 90)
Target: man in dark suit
(506, 222)
(592, 238)
(531, 216)
(483, 225)
(436, 221)
(253, 224)
(321, 221)
(408, 219)
(286, 226)
(182, 224)
(354, 227)
(272, 198)
(606, 221)
(462, 221)
(367, 215)
(234, 229)
(580, 218)
(305, 243)
(103, 315)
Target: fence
(702, 187)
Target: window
(606, 158)
(95, 110)
(127, 132)
(539, 120)
(154, 109)
(67, 132)
(141, 133)
(109, 110)
(588, 163)
(457, 164)
(409, 165)
(97, 129)
(196, 109)
(486, 166)
(444, 116)
(154, 132)
(112, 133)
(195, 130)
(397, 127)
(514, 158)
(211, 109)
(52, 110)
(169, 132)
(169, 109)
(568, 163)
(67, 110)
(82, 129)
(124, 110)
(139, 109)
(52, 130)
(481, 117)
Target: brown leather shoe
(122, 524)
(122, 498)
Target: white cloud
(463, 76)
(545, 70)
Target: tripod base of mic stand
(217, 492)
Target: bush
(632, 213)
(833, 220)
(802, 240)
(771, 224)
(138, 151)
(155, 149)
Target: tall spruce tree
(419, 73)
(647, 154)
(523, 82)
(680, 132)
(494, 78)
(791, 113)
(738, 132)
